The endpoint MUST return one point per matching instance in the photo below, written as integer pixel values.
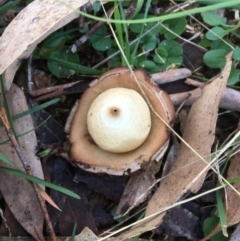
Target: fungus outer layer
(89, 156)
(119, 120)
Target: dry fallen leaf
(180, 222)
(171, 156)
(233, 199)
(138, 188)
(10, 226)
(48, 199)
(19, 193)
(199, 134)
(33, 24)
(236, 234)
(86, 234)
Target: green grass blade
(40, 181)
(125, 28)
(78, 68)
(5, 101)
(7, 161)
(221, 212)
(36, 108)
(233, 180)
(134, 53)
(224, 4)
(72, 238)
(119, 29)
(8, 5)
(138, 7)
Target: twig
(194, 82)
(187, 97)
(170, 75)
(82, 18)
(230, 99)
(59, 90)
(79, 42)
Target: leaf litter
(166, 194)
(15, 45)
(25, 208)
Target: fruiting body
(92, 156)
(119, 120)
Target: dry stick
(27, 167)
(170, 75)
(55, 91)
(230, 98)
(82, 18)
(79, 42)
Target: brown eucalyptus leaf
(138, 188)
(171, 156)
(33, 24)
(17, 192)
(11, 225)
(233, 199)
(75, 212)
(180, 222)
(86, 234)
(199, 134)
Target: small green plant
(61, 61)
(219, 44)
(100, 40)
(59, 69)
(146, 43)
(209, 224)
(145, 52)
(9, 5)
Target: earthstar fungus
(133, 125)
